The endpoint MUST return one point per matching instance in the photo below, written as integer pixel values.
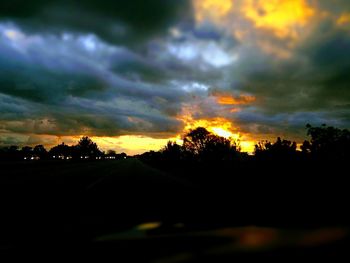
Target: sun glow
(283, 17)
(344, 19)
(222, 132)
(221, 127)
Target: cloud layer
(113, 68)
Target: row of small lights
(31, 158)
(69, 157)
(62, 157)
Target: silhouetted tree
(13, 149)
(327, 142)
(151, 157)
(196, 140)
(40, 151)
(10, 153)
(172, 151)
(86, 147)
(203, 145)
(111, 153)
(27, 150)
(306, 148)
(281, 149)
(122, 156)
(62, 150)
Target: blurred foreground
(129, 211)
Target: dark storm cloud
(313, 82)
(134, 67)
(70, 65)
(81, 84)
(110, 19)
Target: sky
(134, 74)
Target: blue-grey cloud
(114, 68)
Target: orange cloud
(283, 17)
(227, 99)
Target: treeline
(203, 147)
(85, 149)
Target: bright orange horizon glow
(138, 144)
(221, 127)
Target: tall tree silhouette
(204, 145)
(196, 140)
(40, 151)
(86, 147)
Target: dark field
(130, 211)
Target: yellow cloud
(344, 19)
(213, 10)
(284, 17)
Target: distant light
(25, 158)
(148, 226)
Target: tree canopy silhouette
(173, 151)
(40, 151)
(327, 142)
(204, 145)
(86, 147)
(281, 149)
(62, 150)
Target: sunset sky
(134, 74)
